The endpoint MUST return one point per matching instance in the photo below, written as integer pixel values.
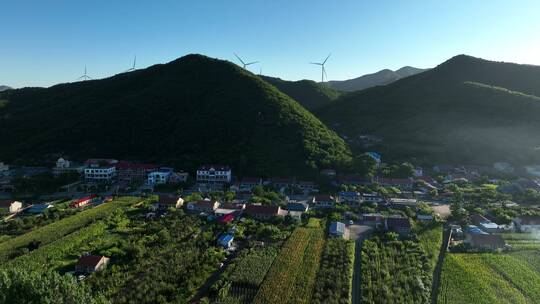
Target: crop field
(490, 278)
(152, 261)
(246, 274)
(522, 241)
(335, 274)
(292, 276)
(15, 247)
(430, 238)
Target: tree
(20, 286)
(364, 164)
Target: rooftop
(89, 260)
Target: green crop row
(47, 234)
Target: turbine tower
(133, 67)
(323, 70)
(84, 76)
(244, 65)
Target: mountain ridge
(438, 116)
(190, 111)
(382, 77)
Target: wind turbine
(323, 71)
(133, 67)
(243, 63)
(84, 76)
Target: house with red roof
(323, 201)
(226, 218)
(91, 263)
(134, 172)
(263, 212)
(83, 201)
(169, 201)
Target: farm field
(510, 277)
(291, 278)
(152, 261)
(16, 246)
(400, 271)
(243, 278)
(334, 278)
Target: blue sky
(48, 42)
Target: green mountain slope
(466, 110)
(190, 111)
(382, 77)
(308, 93)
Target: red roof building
(170, 201)
(81, 202)
(134, 172)
(91, 263)
(262, 212)
(227, 218)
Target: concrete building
(214, 174)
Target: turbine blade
(252, 63)
(324, 71)
(327, 58)
(134, 61)
(316, 63)
(242, 61)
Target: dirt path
(359, 234)
(438, 268)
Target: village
(473, 212)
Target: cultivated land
(512, 277)
(396, 271)
(293, 274)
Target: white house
(160, 176)
(337, 229)
(100, 174)
(10, 206)
(100, 170)
(214, 174)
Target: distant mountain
(466, 110)
(308, 93)
(191, 111)
(382, 77)
(4, 88)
